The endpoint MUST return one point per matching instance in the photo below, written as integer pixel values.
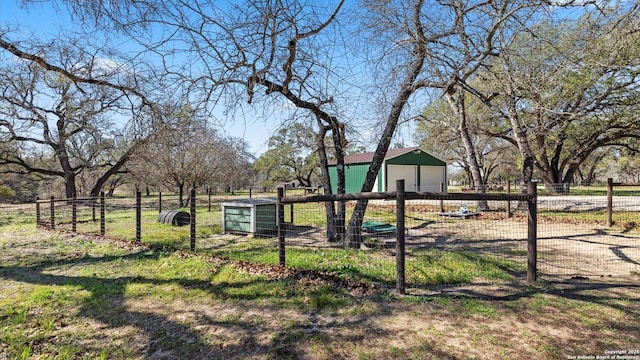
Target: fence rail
(401, 197)
(572, 234)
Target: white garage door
(430, 178)
(397, 172)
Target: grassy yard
(85, 297)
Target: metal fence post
(93, 208)
(532, 233)
(52, 210)
(192, 220)
(102, 220)
(37, 212)
(509, 214)
(441, 200)
(138, 216)
(280, 214)
(74, 215)
(400, 248)
(609, 202)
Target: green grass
(467, 306)
(67, 297)
(434, 267)
(624, 221)
(426, 267)
(575, 216)
(98, 282)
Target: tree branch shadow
(162, 335)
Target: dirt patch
(546, 321)
(567, 246)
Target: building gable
(415, 157)
(357, 166)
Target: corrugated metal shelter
(420, 170)
(255, 216)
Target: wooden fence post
(209, 195)
(532, 233)
(192, 220)
(280, 213)
(609, 202)
(52, 210)
(400, 248)
(159, 202)
(74, 215)
(138, 216)
(102, 220)
(37, 212)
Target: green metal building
(421, 171)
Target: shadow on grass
(169, 338)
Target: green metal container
(250, 216)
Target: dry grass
(84, 298)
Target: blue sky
(44, 20)
(365, 119)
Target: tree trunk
(329, 206)
(528, 160)
(69, 174)
(97, 187)
(338, 142)
(70, 184)
(304, 181)
(354, 232)
(407, 88)
(456, 100)
(467, 171)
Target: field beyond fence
(576, 236)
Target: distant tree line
(535, 87)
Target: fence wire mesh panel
(120, 218)
(447, 242)
(462, 244)
(576, 241)
(239, 228)
(311, 244)
(453, 245)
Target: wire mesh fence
(590, 236)
(450, 244)
(447, 241)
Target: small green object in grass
(378, 227)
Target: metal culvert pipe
(174, 217)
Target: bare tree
(186, 153)
(61, 129)
(290, 49)
(441, 45)
(264, 52)
(437, 131)
(571, 91)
